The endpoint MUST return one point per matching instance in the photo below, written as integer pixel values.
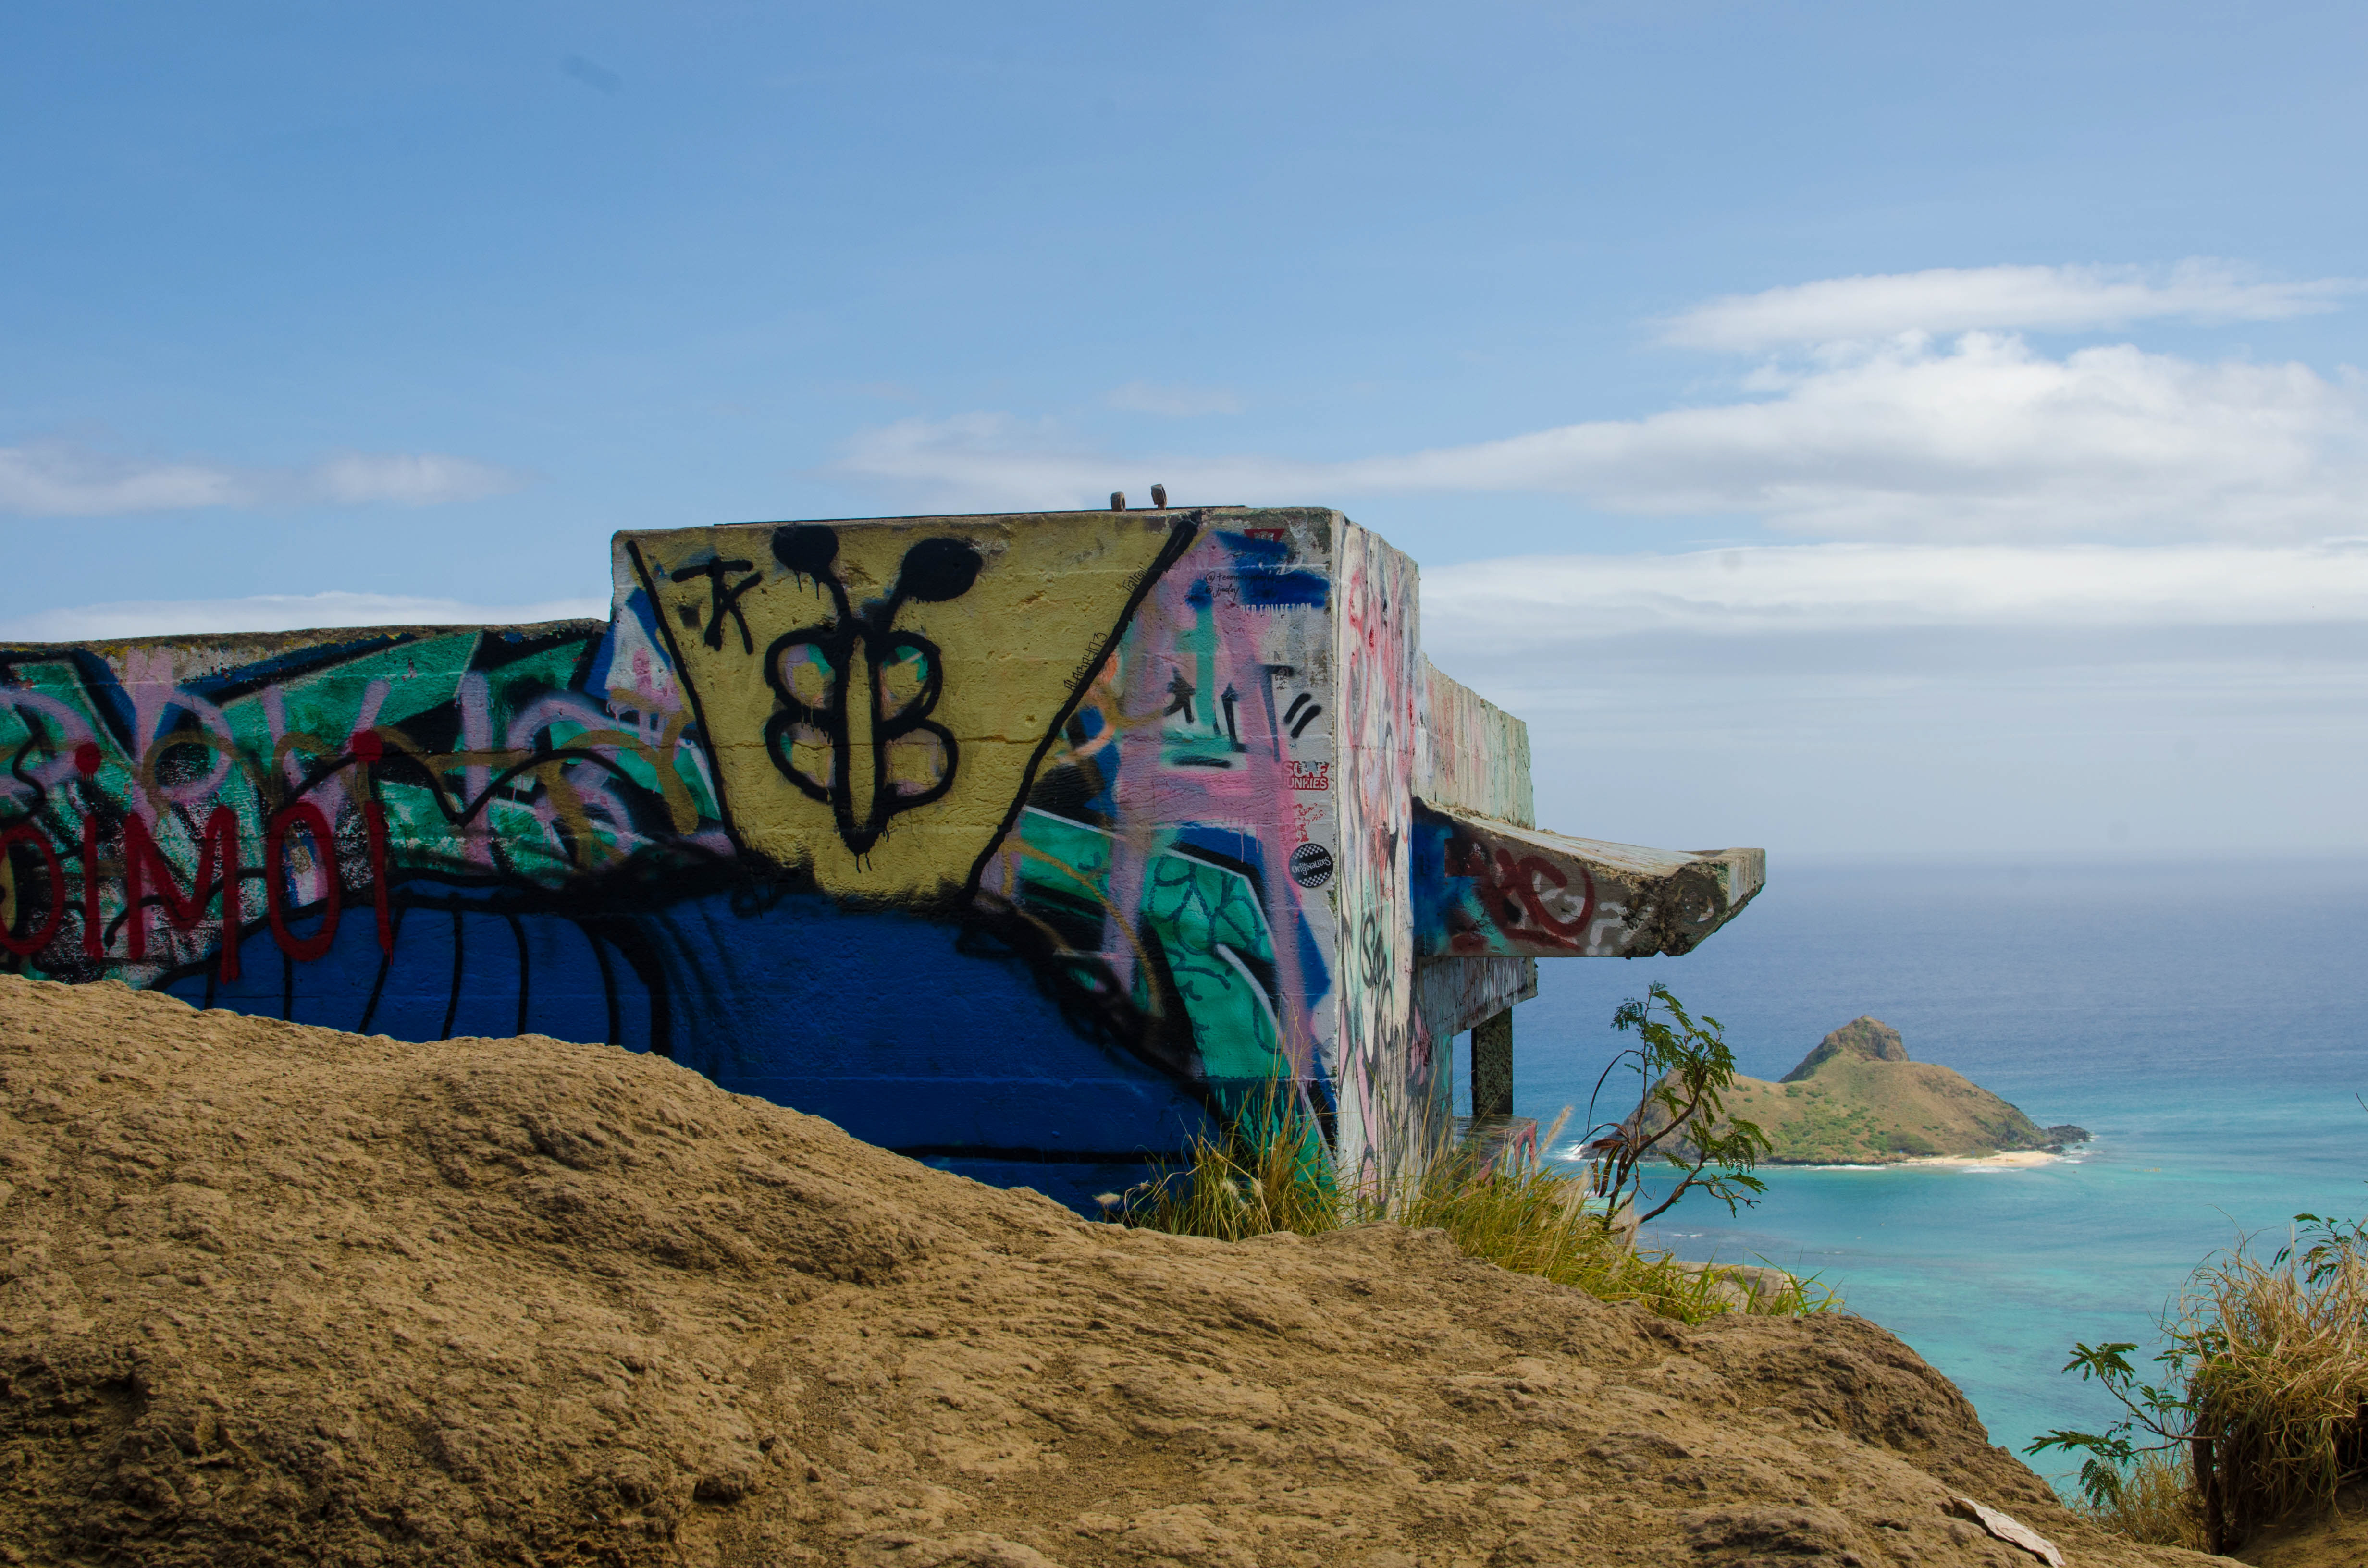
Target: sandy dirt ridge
(278, 1295)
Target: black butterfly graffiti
(857, 694)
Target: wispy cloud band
(1174, 400)
(1935, 700)
(282, 612)
(1745, 591)
(1948, 300)
(60, 479)
(1982, 439)
(1825, 588)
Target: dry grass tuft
(2262, 1414)
(1266, 1173)
(2155, 1506)
(2280, 1384)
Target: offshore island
(1858, 1099)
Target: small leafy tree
(2164, 1409)
(1684, 1069)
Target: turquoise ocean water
(2204, 1021)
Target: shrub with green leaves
(1683, 1069)
(2263, 1387)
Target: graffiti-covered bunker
(1020, 844)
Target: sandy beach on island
(2015, 1158)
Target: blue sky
(1854, 429)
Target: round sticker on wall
(1311, 865)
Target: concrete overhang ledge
(1484, 886)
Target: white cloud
(60, 479)
(282, 612)
(1981, 438)
(404, 479)
(1949, 299)
(53, 479)
(1175, 401)
(977, 462)
(1825, 588)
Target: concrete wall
(1484, 887)
(1010, 842)
(1391, 1081)
(1020, 844)
(1472, 756)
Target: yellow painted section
(1012, 650)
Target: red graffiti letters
(309, 816)
(26, 832)
(1510, 891)
(142, 861)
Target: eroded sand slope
(279, 1295)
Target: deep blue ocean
(2205, 1021)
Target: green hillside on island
(1858, 1099)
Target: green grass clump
(1267, 1172)
(1532, 1221)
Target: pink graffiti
(69, 731)
(155, 694)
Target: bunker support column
(1492, 1066)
